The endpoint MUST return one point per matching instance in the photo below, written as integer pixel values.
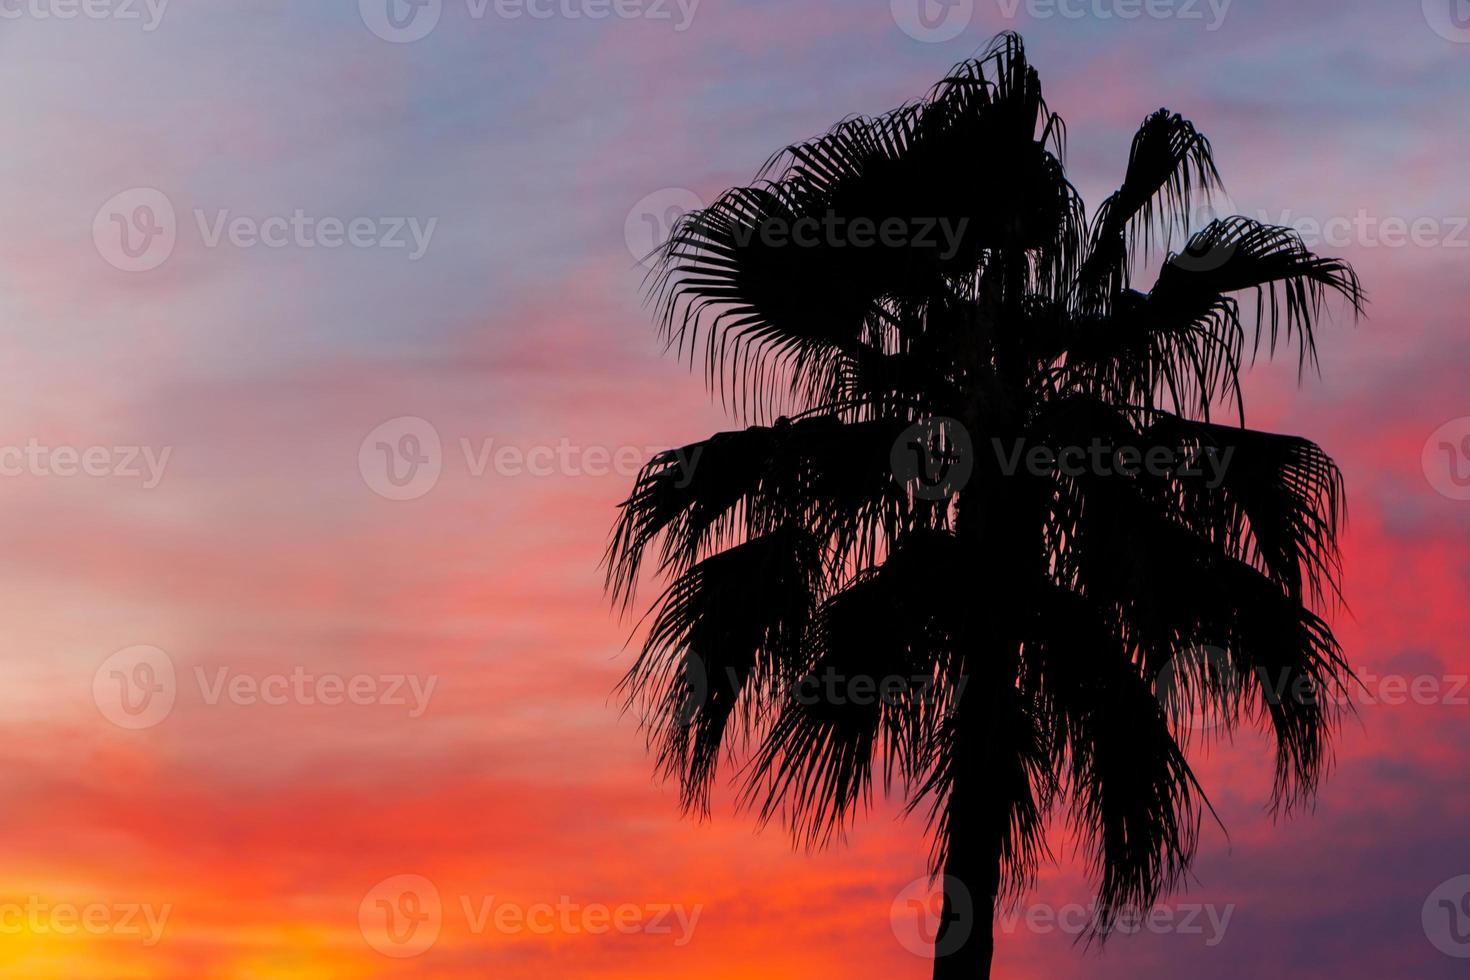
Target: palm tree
(1037, 629)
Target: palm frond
(831, 476)
(1169, 163)
(877, 679)
(1175, 590)
(1278, 501)
(723, 630)
(965, 179)
(1135, 803)
(1185, 340)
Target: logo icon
(692, 687)
(1205, 253)
(401, 459)
(401, 916)
(1186, 677)
(1450, 19)
(1446, 917)
(1446, 459)
(401, 21)
(135, 688)
(932, 20)
(653, 218)
(921, 922)
(136, 231)
(934, 458)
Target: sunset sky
(358, 679)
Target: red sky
(259, 836)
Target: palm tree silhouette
(1009, 641)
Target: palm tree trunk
(994, 520)
(965, 940)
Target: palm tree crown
(1047, 625)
